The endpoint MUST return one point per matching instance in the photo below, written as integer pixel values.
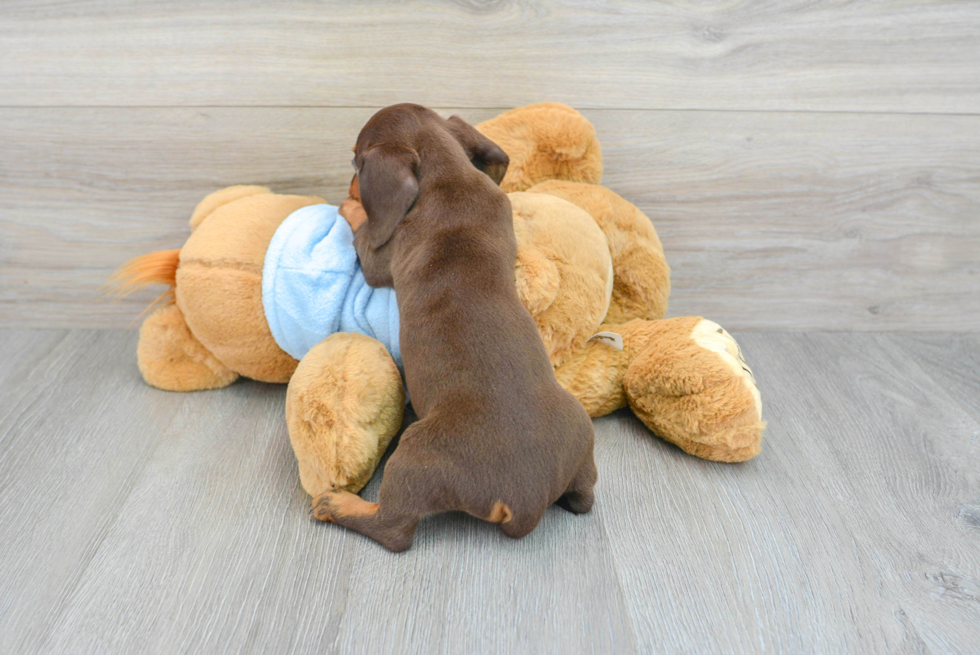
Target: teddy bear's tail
(152, 268)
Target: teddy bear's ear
(545, 141)
(216, 199)
(484, 153)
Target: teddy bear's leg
(170, 358)
(687, 381)
(594, 375)
(545, 141)
(344, 404)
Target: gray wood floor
(135, 520)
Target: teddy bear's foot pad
(711, 336)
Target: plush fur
(687, 393)
(339, 430)
(344, 408)
(558, 251)
(545, 141)
(642, 280)
(170, 357)
(219, 280)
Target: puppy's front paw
(323, 506)
(353, 211)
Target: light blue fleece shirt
(312, 285)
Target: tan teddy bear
(590, 270)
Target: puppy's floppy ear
(388, 189)
(484, 153)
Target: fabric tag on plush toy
(609, 338)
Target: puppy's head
(387, 162)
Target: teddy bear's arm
(642, 276)
(344, 404)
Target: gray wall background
(807, 165)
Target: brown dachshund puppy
(497, 436)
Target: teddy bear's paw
(689, 383)
(563, 271)
(711, 336)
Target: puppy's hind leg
(580, 495)
(521, 524)
(392, 529)
(405, 497)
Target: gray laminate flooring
(134, 520)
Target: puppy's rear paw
(341, 506)
(576, 503)
(323, 508)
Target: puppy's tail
(152, 268)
